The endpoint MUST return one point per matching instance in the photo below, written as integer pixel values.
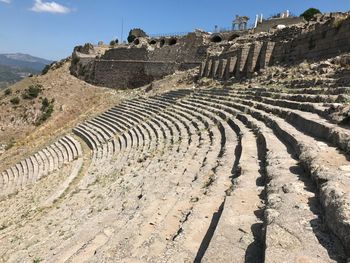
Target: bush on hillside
(10, 144)
(32, 92)
(310, 13)
(75, 60)
(46, 69)
(15, 101)
(8, 92)
(47, 108)
(131, 38)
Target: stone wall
(125, 54)
(323, 41)
(317, 41)
(117, 74)
(136, 65)
(241, 62)
(267, 25)
(132, 74)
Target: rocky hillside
(26, 124)
(22, 127)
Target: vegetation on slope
(38, 109)
(310, 13)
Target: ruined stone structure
(240, 23)
(137, 32)
(261, 25)
(155, 174)
(270, 24)
(288, 46)
(148, 59)
(140, 63)
(283, 19)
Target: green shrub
(47, 109)
(131, 38)
(32, 92)
(44, 104)
(75, 60)
(47, 113)
(8, 92)
(46, 69)
(15, 101)
(112, 43)
(310, 13)
(37, 260)
(10, 144)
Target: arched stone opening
(137, 41)
(153, 42)
(216, 39)
(172, 41)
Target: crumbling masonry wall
(316, 42)
(266, 25)
(139, 64)
(321, 42)
(129, 74)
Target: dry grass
(74, 101)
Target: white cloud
(6, 1)
(48, 7)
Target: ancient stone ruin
(240, 23)
(141, 62)
(224, 169)
(283, 20)
(290, 46)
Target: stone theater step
(204, 175)
(40, 164)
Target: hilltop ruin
(141, 62)
(327, 37)
(221, 55)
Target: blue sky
(51, 29)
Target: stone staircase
(39, 165)
(203, 175)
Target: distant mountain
(23, 61)
(14, 67)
